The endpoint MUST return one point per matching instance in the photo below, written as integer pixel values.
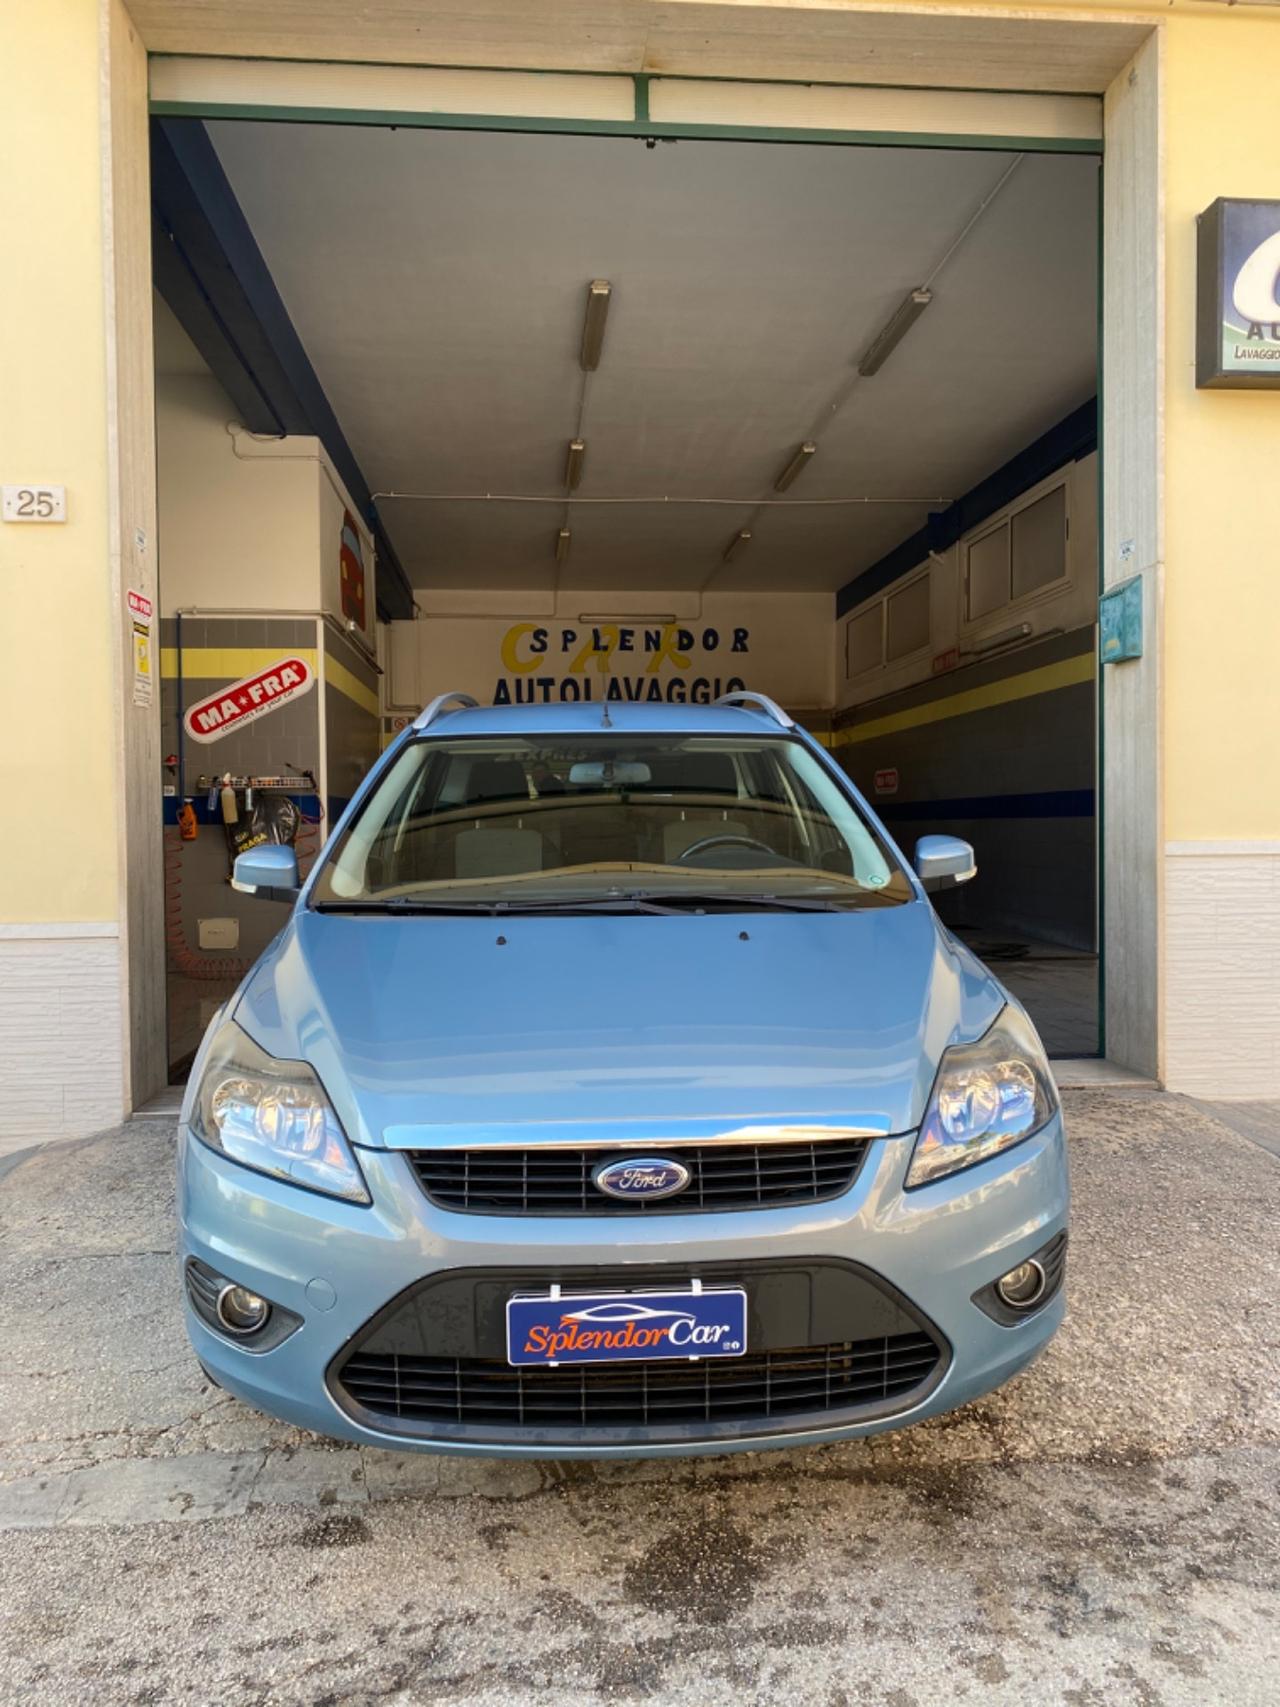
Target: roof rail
(434, 707)
(744, 696)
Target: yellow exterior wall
(58, 631)
(1222, 468)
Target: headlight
(987, 1095)
(273, 1116)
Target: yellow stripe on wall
(1070, 672)
(338, 676)
(227, 663)
(230, 663)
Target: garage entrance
(582, 416)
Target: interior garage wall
(252, 529)
(196, 872)
(602, 644)
(1001, 754)
(250, 523)
(237, 533)
(994, 742)
(351, 722)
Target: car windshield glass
(607, 819)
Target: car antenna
(605, 721)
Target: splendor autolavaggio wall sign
(1238, 294)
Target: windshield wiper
(500, 909)
(729, 899)
(635, 901)
(406, 904)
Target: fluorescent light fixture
(736, 544)
(563, 539)
(884, 344)
(654, 618)
(573, 463)
(1006, 637)
(598, 294)
(798, 462)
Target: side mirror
(269, 871)
(942, 861)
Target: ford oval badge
(641, 1179)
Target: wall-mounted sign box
(1120, 621)
(1238, 295)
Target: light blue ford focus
(613, 1089)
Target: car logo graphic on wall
(351, 566)
(641, 1179)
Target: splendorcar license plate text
(605, 1327)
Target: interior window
(988, 573)
(1040, 542)
(907, 620)
(864, 640)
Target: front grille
(485, 1392)
(554, 1181)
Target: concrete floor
(1105, 1530)
(191, 1003)
(1057, 986)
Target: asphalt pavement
(1104, 1530)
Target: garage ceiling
(437, 280)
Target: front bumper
(337, 1265)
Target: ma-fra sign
(1238, 295)
(249, 698)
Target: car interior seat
(698, 776)
(498, 843)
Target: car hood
(438, 1030)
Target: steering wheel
(722, 841)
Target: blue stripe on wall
(1053, 803)
(209, 817)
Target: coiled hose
(191, 962)
(195, 963)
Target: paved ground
(1106, 1530)
(1057, 985)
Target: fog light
(1023, 1287)
(241, 1311)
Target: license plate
(626, 1327)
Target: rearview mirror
(606, 773)
(942, 861)
(269, 871)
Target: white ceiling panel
(437, 280)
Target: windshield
(597, 820)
